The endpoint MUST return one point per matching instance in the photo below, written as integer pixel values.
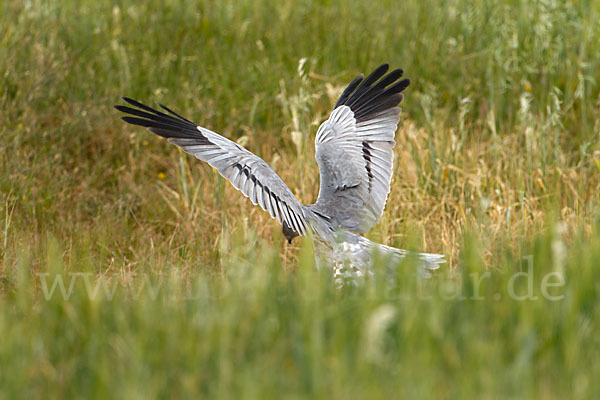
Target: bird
(354, 153)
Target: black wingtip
(348, 91)
(158, 122)
(374, 94)
(398, 87)
(121, 108)
(135, 102)
(376, 74)
(167, 109)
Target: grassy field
(129, 269)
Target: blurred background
(497, 160)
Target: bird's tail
(427, 261)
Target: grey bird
(354, 152)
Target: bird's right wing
(247, 172)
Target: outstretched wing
(246, 172)
(354, 150)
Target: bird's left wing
(247, 172)
(354, 149)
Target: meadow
(131, 270)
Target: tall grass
(497, 166)
(258, 332)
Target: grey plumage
(354, 152)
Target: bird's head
(288, 232)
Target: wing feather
(354, 149)
(246, 172)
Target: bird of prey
(354, 152)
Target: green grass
(263, 333)
(497, 167)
